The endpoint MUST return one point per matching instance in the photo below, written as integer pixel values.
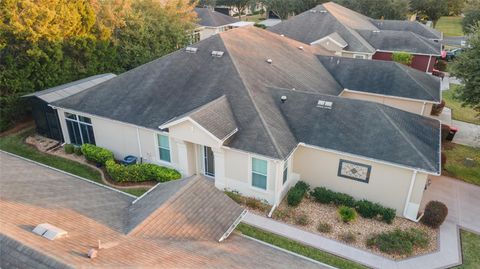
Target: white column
(182, 157)
(219, 159)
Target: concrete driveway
(462, 200)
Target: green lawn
(298, 248)
(470, 250)
(136, 191)
(450, 26)
(255, 18)
(466, 114)
(455, 167)
(15, 144)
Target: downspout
(409, 195)
(139, 145)
(429, 61)
(423, 107)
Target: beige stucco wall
(407, 105)
(388, 185)
(329, 45)
(351, 54)
(208, 32)
(188, 131)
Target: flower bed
(254, 205)
(324, 219)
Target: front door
(209, 162)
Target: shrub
(347, 214)
(324, 227)
(235, 196)
(296, 194)
(398, 241)
(96, 154)
(282, 214)
(402, 57)
(252, 203)
(435, 214)
(68, 148)
(368, 209)
(325, 196)
(302, 219)
(322, 195)
(443, 159)
(437, 109)
(140, 172)
(388, 214)
(441, 65)
(348, 237)
(78, 151)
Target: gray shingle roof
(400, 41)
(68, 89)
(315, 24)
(359, 31)
(211, 18)
(363, 128)
(217, 118)
(411, 26)
(383, 77)
(181, 83)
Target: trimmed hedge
(78, 151)
(364, 208)
(96, 154)
(435, 214)
(296, 194)
(140, 172)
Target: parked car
(452, 54)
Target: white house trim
(331, 39)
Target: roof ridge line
(422, 40)
(414, 79)
(404, 136)
(262, 120)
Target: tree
(472, 15)
(379, 9)
(281, 8)
(240, 5)
(433, 9)
(467, 68)
(455, 7)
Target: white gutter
(271, 210)
(389, 96)
(409, 195)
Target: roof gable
(412, 26)
(388, 40)
(349, 17)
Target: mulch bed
(362, 228)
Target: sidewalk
(468, 133)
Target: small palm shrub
(435, 214)
(347, 214)
(388, 215)
(324, 227)
(68, 148)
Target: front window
(164, 148)
(359, 56)
(285, 171)
(80, 129)
(259, 173)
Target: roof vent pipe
(300, 48)
(283, 98)
(269, 61)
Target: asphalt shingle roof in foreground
(181, 83)
(32, 194)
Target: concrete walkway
(462, 199)
(468, 133)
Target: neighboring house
(176, 225)
(256, 112)
(350, 34)
(211, 22)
